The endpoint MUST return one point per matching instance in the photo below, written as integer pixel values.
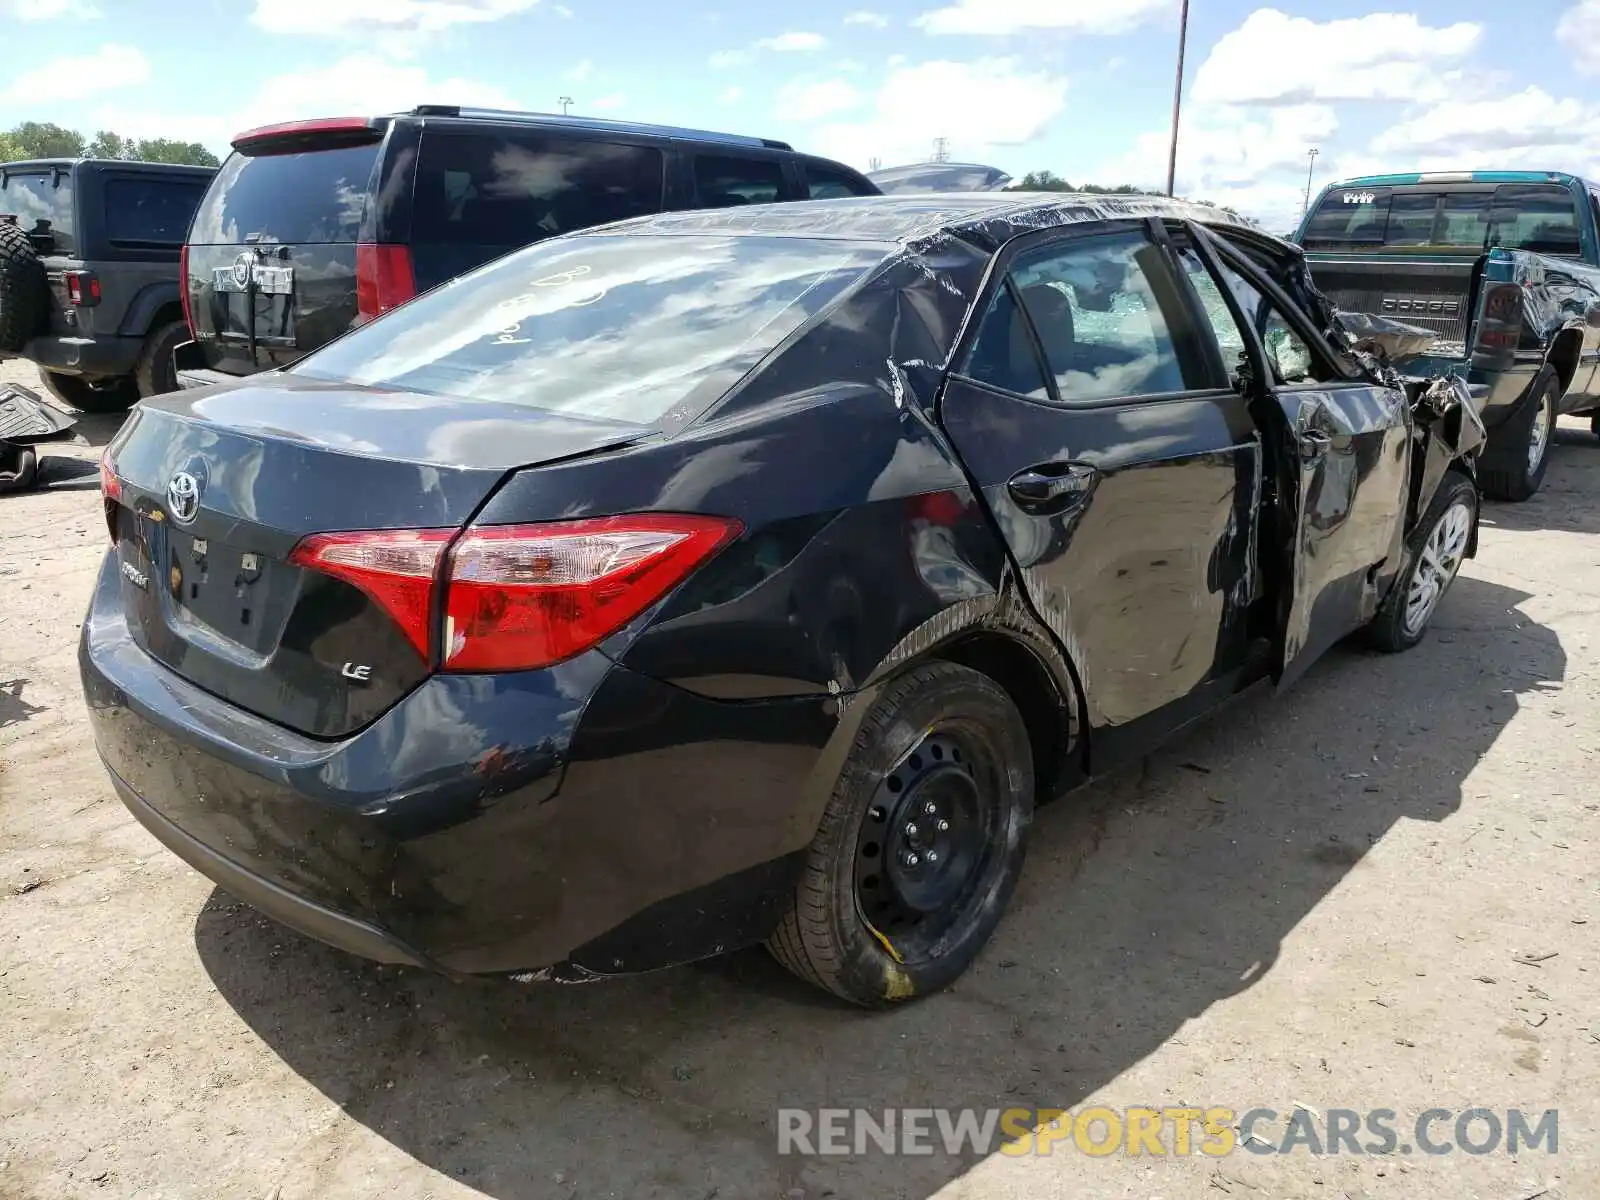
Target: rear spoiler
(322, 133)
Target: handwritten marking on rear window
(539, 300)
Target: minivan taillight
(383, 279)
(517, 597)
(183, 287)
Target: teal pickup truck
(1503, 267)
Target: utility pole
(874, 163)
(1311, 156)
(1177, 98)
(941, 150)
(566, 103)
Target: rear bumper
(585, 819)
(96, 358)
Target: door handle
(1052, 487)
(1314, 443)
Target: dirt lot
(1315, 899)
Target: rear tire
(93, 396)
(1436, 550)
(1594, 425)
(24, 291)
(1518, 453)
(155, 374)
(925, 830)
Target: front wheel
(1514, 462)
(1437, 548)
(920, 845)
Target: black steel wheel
(921, 843)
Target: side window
(1291, 359)
(482, 189)
(151, 211)
(722, 182)
(1003, 356)
(824, 184)
(1094, 303)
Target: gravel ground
(1317, 899)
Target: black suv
(315, 226)
(89, 252)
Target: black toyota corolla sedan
(744, 576)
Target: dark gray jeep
(89, 253)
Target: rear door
(272, 252)
(1124, 474)
(41, 201)
(484, 190)
(1339, 447)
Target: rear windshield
(607, 326)
(42, 204)
(315, 197)
(1538, 217)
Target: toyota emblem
(243, 267)
(183, 497)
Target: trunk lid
(272, 250)
(217, 488)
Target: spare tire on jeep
(24, 294)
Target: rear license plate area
(229, 590)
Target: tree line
(40, 139)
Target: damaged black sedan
(742, 576)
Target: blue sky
(1081, 87)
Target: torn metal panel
(1447, 430)
(1391, 342)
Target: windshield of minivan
(41, 201)
(1538, 217)
(607, 326)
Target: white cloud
(803, 100)
(46, 10)
(608, 103)
(999, 17)
(391, 16)
(788, 43)
(360, 84)
(1253, 161)
(109, 68)
(875, 20)
(976, 106)
(1530, 128)
(783, 43)
(1579, 31)
(1277, 59)
(580, 70)
(731, 95)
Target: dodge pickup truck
(1503, 267)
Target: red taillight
(110, 492)
(528, 596)
(521, 596)
(83, 288)
(396, 569)
(183, 287)
(383, 279)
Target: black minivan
(312, 227)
